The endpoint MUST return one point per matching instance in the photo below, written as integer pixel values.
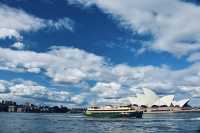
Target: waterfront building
(21, 108)
(150, 99)
(12, 108)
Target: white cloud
(63, 23)
(72, 66)
(18, 45)
(106, 90)
(9, 33)
(15, 21)
(78, 99)
(194, 90)
(166, 20)
(34, 91)
(20, 89)
(69, 65)
(162, 80)
(4, 86)
(194, 57)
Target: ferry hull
(114, 114)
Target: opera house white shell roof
(164, 101)
(150, 98)
(180, 103)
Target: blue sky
(76, 51)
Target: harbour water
(77, 123)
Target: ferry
(113, 111)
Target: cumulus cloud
(9, 33)
(68, 65)
(106, 90)
(40, 93)
(18, 45)
(162, 80)
(31, 90)
(165, 20)
(79, 99)
(4, 86)
(15, 21)
(72, 66)
(194, 57)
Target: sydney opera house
(150, 100)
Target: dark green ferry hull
(137, 114)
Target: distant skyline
(77, 52)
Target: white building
(180, 103)
(150, 98)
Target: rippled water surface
(77, 123)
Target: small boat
(113, 112)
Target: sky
(77, 52)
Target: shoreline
(175, 111)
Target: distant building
(21, 108)
(150, 99)
(12, 108)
